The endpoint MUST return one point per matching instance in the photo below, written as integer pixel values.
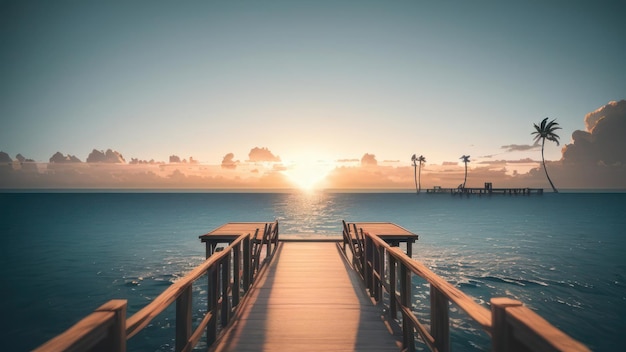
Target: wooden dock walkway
(268, 294)
(308, 305)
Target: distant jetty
(487, 190)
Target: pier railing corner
(386, 271)
(230, 272)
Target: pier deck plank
(309, 300)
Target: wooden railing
(230, 273)
(511, 325)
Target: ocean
(65, 254)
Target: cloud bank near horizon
(596, 158)
(603, 142)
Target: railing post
(268, 249)
(374, 282)
(393, 307)
(236, 277)
(381, 272)
(360, 240)
(225, 307)
(117, 339)
(276, 239)
(409, 248)
(213, 294)
(501, 337)
(367, 269)
(247, 268)
(405, 297)
(439, 319)
(183, 318)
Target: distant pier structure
(487, 190)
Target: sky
(313, 82)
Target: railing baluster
(247, 268)
(405, 297)
(380, 267)
(225, 306)
(375, 280)
(266, 239)
(183, 318)
(439, 319)
(393, 306)
(236, 267)
(213, 294)
(369, 268)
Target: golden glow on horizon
(308, 175)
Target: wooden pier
(487, 190)
(355, 294)
(303, 306)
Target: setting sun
(308, 175)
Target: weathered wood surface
(386, 230)
(102, 330)
(233, 229)
(517, 324)
(309, 300)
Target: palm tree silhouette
(414, 160)
(421, 159)
(466, 160)
(546, 131)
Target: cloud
(58, 157)
(595, 159)
(5, 158)
(23, 159)
(603, 142)
(262, 154)
(518, 147)
(493, 162)
(228, 162)
(369, 160)
(522, 161)
(519, 161)
(110, 156)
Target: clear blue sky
(315, 79)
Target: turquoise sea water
(64, 254)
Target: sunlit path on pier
(309, 300)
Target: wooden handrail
(104, 329)
(515, 324)
(477, 312)
(107, 328)
(143, 317)
(509, 323)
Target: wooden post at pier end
(517, 328)
(102, 330)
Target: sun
(308, 175)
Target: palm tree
(421, 160)
(546, 131)
(414, 160)
(466, 160)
